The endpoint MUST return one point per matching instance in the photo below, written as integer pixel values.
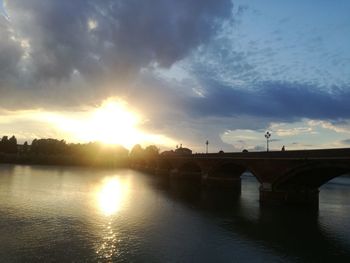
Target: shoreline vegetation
(59, 152)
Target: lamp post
(267, 136)
(206, 146)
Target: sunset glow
(110, 123)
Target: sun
(110, 123)
(113, 122)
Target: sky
(171, 72)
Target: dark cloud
(10, 52)
(280, 100)
(124, 36)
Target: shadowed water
(67, 214)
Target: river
(72, 214)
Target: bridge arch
(227, 169)
(226, 174)
(233, 169)
(310, 176)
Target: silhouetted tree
(48, 146)
(12, 145)
(4, 144)
(151, 151)
(8, 145)
(34, 146)
(137, 152)
(25, 147)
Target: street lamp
(206, 144)
(267, 136)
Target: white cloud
(294, 131)
(342, 128)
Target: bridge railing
(316, 153)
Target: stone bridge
(284, 177)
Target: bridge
(292, 177)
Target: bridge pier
(304, 197)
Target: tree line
(59, 152)
(150, 152)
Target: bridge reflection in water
(286, 177)
(289, 230)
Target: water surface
(70, 214)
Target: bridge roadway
(284, 176)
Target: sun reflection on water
(108, 246)
(111, 195)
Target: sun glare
(112, 123)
